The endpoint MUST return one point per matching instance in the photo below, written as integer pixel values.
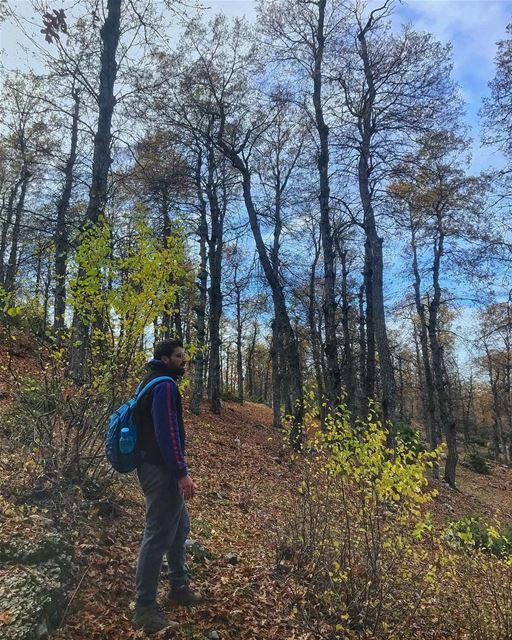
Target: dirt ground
(244, 472)
(235, 459)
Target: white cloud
(473, 27)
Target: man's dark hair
(167, 347)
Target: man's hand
(187, 487)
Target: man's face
(176, 361)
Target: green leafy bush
(475, 461)
(469, 531)
(25, 313)
(351, 538)
(479, 438)
(409, 436)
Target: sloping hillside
(235, 460)
(245, 473)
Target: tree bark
(250, 362)
(61, 230)
(371, 360)
(109, 32)
(315, 340)
(7, 224)
(374, 242)
(428, 394)
(215, 244)
(333, 380)
(277, 374)
(12, 263)
(348, 359)
(448, 422)
(363, 409)
(200, 308)
(239, 354)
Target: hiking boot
(151, 619)
(183, 596)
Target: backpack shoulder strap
(152, 383)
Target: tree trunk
(101, 161)
(200, 308)
(420, 381)
(239, 355)
(315, 340)
(176, 319)
(428, 394)
(401, 403)
(61, 230)
(348, 360)
(448, 422)
(363, 397)
(39, 267)
(7, 224)
(250, 363)
(12, 264)
(333, 380)
(215, 244)
(371, 360)
(46, 295)
(277, 374)
(374, 242)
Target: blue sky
(472, 26)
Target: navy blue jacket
(159, 419)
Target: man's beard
(176, 372)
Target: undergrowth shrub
(63, 425)
(479, 438)
(357, 536)
(481, 583)
(475, 461)
(471, 532)
(23, 312)
(363, 555)
(409, 436)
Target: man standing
(166, 483)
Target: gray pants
(167, 528)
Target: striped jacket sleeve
(167, 430)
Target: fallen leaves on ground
(244, 473)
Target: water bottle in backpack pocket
(122, 445)
(127, 441)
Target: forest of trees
(294, 199)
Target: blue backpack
(122, 419)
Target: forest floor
(244, 475)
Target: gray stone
(31, 601)
(52, 546)
(213, 635)
(197, 551)
(33, 593)
(231, 558)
